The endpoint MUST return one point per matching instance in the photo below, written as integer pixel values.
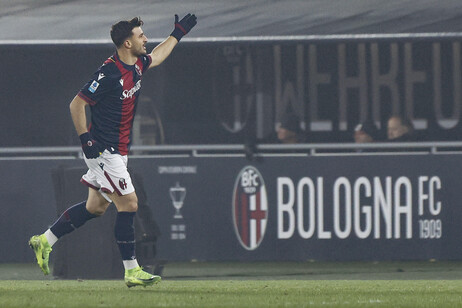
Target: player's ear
(127, 44)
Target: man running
(112, 95)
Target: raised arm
(163, 50)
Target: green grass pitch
(237, 284)
(233, 293)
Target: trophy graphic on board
(177, 194)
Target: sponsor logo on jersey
(129, 93)
(250, 208)
(101, 76)
(121, 81)
(93, 86)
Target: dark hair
(123, 30)
(369, 128)
(291, 122)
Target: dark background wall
(232, 92)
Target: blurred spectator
(366, 132)
(289, 131)
(400, 129)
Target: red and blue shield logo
(250, 208)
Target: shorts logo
(94, 85)
(122, 184)
(250, 208)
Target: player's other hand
(91, 148)
(183, 26)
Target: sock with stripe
(71, 219)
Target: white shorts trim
(108, 174)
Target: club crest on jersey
(93, 86)
(138, 70)
(250, 208)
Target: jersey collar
(125, 65)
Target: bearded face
(138, 42)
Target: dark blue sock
(71, 219)
(124, 231)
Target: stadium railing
(318, 149)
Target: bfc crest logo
(138, 70)
(250, 208)
(122, 184)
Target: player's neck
(126, 56)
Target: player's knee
(97, 211)
(126, 203)
(131, 205)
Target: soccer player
(112, 94)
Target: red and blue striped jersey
(113, 95)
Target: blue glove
(183, 26)
(91, 148)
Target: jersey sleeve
(96, 89)
(146, 60)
